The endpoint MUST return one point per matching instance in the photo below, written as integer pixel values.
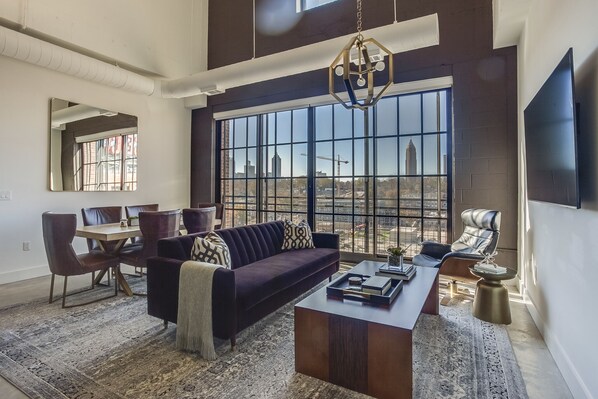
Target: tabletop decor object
(396, 254)
(342, 288)
(487, 265)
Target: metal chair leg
(64, 292)
(115, 283)
(52, 288)
(165, 324)
(93, 278)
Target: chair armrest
(435, 249)
(463, 255)
(326, 240)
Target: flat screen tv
(551, 139)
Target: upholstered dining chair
(58, 232)
(101, 215)
(133, 211)
(154, 226)
(479, 238)
(197, 220)
(219, 210)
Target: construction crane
(338, 161)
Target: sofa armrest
(163, 294)
(435, 249)
(163, 287)
(224, 304)
(326, 240)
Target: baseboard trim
(574, 381)
(24, 274)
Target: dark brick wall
(484, 97)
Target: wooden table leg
(124, 286)
(431, 305)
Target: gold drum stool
(491, 301)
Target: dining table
(111, 232)
(119, 234)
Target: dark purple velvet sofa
(262, 277)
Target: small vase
(394, 260)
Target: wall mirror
(91, 148)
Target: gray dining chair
(58, 232)
(197, 220)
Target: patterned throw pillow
(211, 249)
(297, 236)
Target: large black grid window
(378, 179)
(239, 163)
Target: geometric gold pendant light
(357, 64)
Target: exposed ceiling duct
(37, 52)
(398, 37)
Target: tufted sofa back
(247, 244)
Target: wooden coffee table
(360, 346)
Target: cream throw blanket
(194, 318)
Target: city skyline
(278, 168)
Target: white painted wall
(165, 37)
(25, 92)
(558, 245)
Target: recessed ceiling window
(303, 5)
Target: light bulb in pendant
(380, 66)
(361, 82)
(339, 70)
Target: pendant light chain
(359, 35)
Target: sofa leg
(329, 278)
(233, 342)
(165, 324)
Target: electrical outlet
(5, 195)
(26, 245)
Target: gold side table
(491, 301)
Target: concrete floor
(542, 377)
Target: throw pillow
(297, 236)
(211, 249)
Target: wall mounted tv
(551, 139)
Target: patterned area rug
(113, 349)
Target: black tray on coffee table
(340, 288)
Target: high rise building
(249, 169)
(276, 165)
(410, 159)
(227, 161)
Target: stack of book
(490, 268)
(404, 272)
(376, 285)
